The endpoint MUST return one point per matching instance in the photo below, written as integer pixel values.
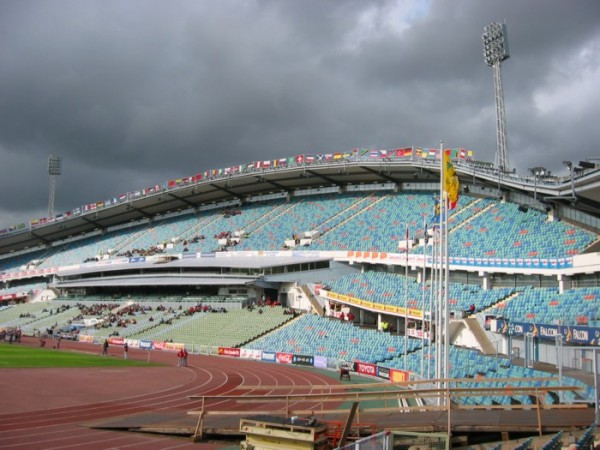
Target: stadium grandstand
(332, 258)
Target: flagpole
(440, 305)
(406, 298)
(445, 267)
(423, 285)
(431, 303)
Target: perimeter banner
(269, 356)
(383, 372)
(284, 358)
(576, 334)
(303, 360)
(321, 362)
(116, 340)
(398, 375)
(365, 368)
(250, 354)
(227, 351)
(147, 345)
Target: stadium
(333, 261)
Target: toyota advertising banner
(365, 368)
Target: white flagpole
(445, 276)
(406, 298)
(423, 285)
(431, 303)
(440, 306)
(433, 317)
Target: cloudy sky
(132, 93)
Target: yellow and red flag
(450, 180)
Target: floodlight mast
(54, 169)
(495, 50)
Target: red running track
(54, 408)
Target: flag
(401, 152)
(450, 181)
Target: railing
(376, 398)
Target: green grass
(18, 356)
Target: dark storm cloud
(133, 93)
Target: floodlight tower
(495, 50)
(54, 162)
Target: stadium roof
(249, 262)
(156, 280)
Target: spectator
(125, 350)
(105, 347)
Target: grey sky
(133, 93)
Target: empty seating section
(31, 289)
(90, 248)
(300, 215)
(160, 233)
(503, 231)
(579, 306)
(257, 221)
(313, 335)
(465, 363)
(467, 208)
(389, 289)
(363, 221)
(16, 263)
(21, 314)
(381, 224)
(53, 316)
(230, 329)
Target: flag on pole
(450, 181)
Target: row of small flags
(458, 153)
(298, 160)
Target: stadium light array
(495, 50)
(537, 172)
(54, 169)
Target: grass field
(17, 356)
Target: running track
(54, 408)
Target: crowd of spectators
(230, 212)
(153, 250)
